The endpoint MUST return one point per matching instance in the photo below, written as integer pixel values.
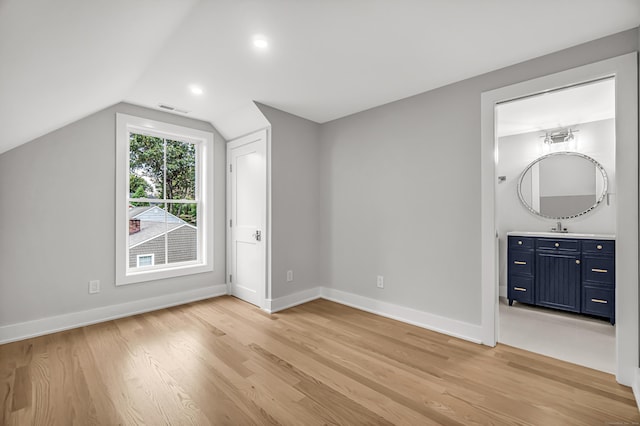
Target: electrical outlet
(94, 286)
(380, 281)
(289, 276)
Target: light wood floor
(223, 361)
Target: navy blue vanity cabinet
(571, 274)
(520, 258)
(557, 280)
(598, 278)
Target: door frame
(263, 135)
(625, 70)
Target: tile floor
(574, 338)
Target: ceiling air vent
(172, 108)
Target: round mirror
(562, 185)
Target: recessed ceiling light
(196, 90)
(260, 42)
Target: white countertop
(562, 235)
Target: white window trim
(153, 259)
(204, 144)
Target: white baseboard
(455, 328)
(39, 327)
(451, 327)
(288, 301)
(636, 388)
(422, 319)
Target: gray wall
(400, 189)
(295, 185)
(57, 221)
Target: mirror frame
(564, 153)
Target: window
(164, 193)
(145, 260)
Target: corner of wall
(454, 328)
(293, 187)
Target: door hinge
(230, 278)
(230, 168)
(230, 223)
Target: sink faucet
(559, 228)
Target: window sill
(153, 275)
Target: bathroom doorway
(555, 164)
(624, 70)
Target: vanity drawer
(520, 289)
(598, 269)
(557, 244)
(598, 301)
(605, 247)
(521, 262)
(521, 243)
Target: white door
(247, 197)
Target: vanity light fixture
(569, 136)
(559, 135)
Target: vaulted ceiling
(62, 60)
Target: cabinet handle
(557, 244)
(599, 247)
(520, 288)
(604, 271)
(577, 262)
(517, 262)
(599, 301)
(519, 243)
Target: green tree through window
(163, 169)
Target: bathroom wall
(515, 152)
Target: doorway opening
(624, 70)
(556, 184)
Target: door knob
(257, 235)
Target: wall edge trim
(422, 319)
(53, 324)
(448, 326)
(635, 387)
(451, 327)
(289, 301)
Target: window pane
(147, 233)
(146, 260)
(146, 166)
(181, 170)
(183, 239)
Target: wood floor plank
(225, 362)
(380, 374)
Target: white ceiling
(62, 60)
(562, 108)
